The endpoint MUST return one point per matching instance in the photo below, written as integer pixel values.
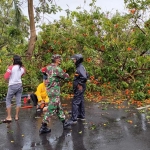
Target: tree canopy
(115, 47)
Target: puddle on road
(46, 141)
(118, 130)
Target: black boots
(66, 125)
(44, 129)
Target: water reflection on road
(110, 129)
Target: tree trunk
(33, 36)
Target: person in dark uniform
(79, 87)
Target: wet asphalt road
(103, 129)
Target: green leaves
(18, 13)
(93, 126)
(109, 46)
(140, 96)
(115, 46)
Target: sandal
(39, 110)
(6, 121)
(16, 119)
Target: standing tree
(45, 6)
(33, 35)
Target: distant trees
(45, 6)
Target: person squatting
(54, 74)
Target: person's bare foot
(8, 118)
(16, 118)
(45, 109)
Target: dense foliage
(115, 47)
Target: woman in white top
(13, 76)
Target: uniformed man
(55, 74)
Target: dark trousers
(78, 104)
(34, 99)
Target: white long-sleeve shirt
(14, 74)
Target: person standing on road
(13, 75)
(79, 87)
(55, 75)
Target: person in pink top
(13, 75)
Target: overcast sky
(105, 5)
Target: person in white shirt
(13, 75)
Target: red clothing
(14, 74)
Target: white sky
(105, 5)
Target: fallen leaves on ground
(10, 131)
(93, 126)
(130, 121)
